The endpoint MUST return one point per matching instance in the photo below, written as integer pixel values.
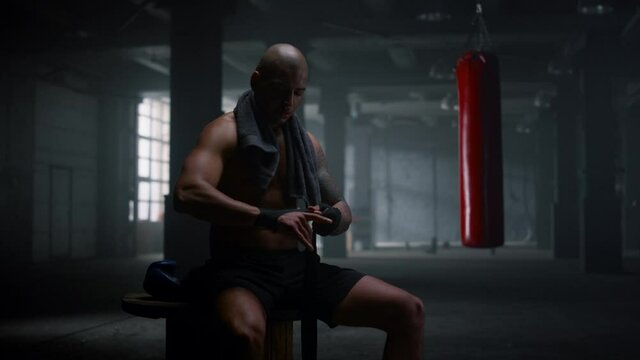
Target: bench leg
(178, 338)
(189, 339)
(278, 343)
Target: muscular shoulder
(220, 134)
(329, 190)
(316, 145)
(320, 157)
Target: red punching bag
(480, 150)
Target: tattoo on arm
(331, 194)
(329, 190)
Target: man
(246, 176)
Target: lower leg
(234, 346)
(374, 303)
(404, 334)
(406, 345)
(244, 321)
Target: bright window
(153, 158)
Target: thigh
(372, 303)
(221, 282)
(239, 307)
(332, 285)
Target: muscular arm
(329, 190)
(196, 190)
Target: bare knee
(243, 317)
(418, 311)
(410, 314)
(248, 330)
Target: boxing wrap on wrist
(269, 217)
(332, 213)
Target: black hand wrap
(269, 217)
(332, 213)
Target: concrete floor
(514, 304)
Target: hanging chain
(480, 35)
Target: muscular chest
(280, 178)
(236, 184)
(276, 191)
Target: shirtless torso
(216, 169)
(213, 186)
(235, 183)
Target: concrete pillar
(116, 175)
(335, 108)
(601, 245)
(360, 138)
(544, 178)
(17, 136)
(631, 152)
(433, 247)
(566, 230)
(196, 92)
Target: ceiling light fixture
(542, 100)
(448, 103)
(433, 16)
(433, 11)
(441, 70)
(594, 7)
(560, 66)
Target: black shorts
(276, 279)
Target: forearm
(345, 220)
(207, 203)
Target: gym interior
(102, 100)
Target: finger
(300, 225)
(318, 218)
(304, 241)
(311, 210)
(310, 229)
(306, 229)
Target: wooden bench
(189, 333)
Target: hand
(297, 222)
(293, 221)
(314, 209)
(332, 213)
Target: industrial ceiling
(396, 57)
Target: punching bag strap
(479, 38)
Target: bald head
(279, 82)
(280, 58)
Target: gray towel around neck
(259, 150)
